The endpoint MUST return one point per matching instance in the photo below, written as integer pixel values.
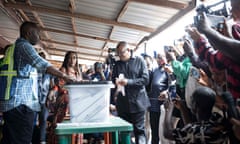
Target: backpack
(7, 73)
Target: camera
(216, 21)
(168, 49)
(196, 19)
(111, 50)
(216, 17)
(110, 60)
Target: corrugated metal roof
(56, 22)
(8, 28)
(99, 8)
(147, 15)
(90, 27)
(56, 4)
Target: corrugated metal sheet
(90, 43)
(92, 28)
(8, 28)
(55, 4)
(89, 26)
(61, 37)
(147, 15)
(126, 34)
(56, 22)
(100, 8)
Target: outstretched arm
(228, 46)
(168, 126)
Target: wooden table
(115, 125)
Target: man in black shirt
(132, 100)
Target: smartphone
(166, 48)
(215, 20)
(172, 92)
(196, 20)
(195, 73)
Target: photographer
(98, 74)
(110, 60)
(227, 46)
(218, 60)
(209, 127)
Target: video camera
(110, 60)
(216, 17)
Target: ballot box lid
(89, 82)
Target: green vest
(7, 72)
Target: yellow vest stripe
(10, 72)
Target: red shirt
(218, 60)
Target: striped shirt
(24, 86)
(218, 60)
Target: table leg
(64, 139)
(106, 138)
(125, 137)
(115, 137)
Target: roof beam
(123, 10)
(79, 57)
(78, 15)
(10, 13)
(74, 30)
(120, 14)
(81, 35)
(103, 48)
(163, 3)
(36, 16)
(25, 17)
(72, 45)
(72, 8)
(79, 53)
(171, 21)
(40, 23)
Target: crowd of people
(209, 107)
(190, 98)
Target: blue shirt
(44, 81)
(159, 83)
(24, 86)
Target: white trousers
(162, 139)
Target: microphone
(232, 111)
